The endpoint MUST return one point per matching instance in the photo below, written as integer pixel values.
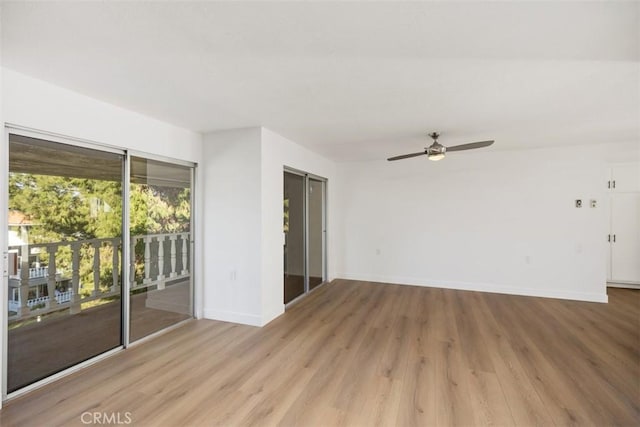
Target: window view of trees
(64, 209)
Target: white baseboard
(627, 285)
(481, 287)
(233, 317)
(273, 315)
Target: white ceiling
(351, 81)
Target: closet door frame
(307, 177)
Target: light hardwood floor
(363, 354)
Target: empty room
(320, 213)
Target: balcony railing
(35, 272)
(159, 259)
(34, 303)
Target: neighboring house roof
(19, 218)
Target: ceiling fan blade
(469, 146)
(406, 156)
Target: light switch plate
(594, 203)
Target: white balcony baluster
(185, 246)
(75, 277)
(24, 281)
(115, 245)
(51, 279)
(173, 272)
(160, 261)
(96, 268)
(147, 259)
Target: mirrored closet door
(304, 233)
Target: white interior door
(625, 238)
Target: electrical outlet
(594, 203)
(578, 203)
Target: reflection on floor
(160, 309)
(41, 349)
(314, 281)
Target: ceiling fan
(436, 150)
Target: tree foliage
(64, 209)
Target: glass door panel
(316, 232)
(294, 225)
(65, 248)
(160, 246)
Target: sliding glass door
(294, 226)
(64, 252)
(305, 233)
(99, 253)
(160, 246)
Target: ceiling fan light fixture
(436, 150)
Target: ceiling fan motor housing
(436, 148)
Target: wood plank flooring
(364, 354)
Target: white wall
(232, 229)
(42, 106)
(243, 185)
(499, 221)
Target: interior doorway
(304, 233)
